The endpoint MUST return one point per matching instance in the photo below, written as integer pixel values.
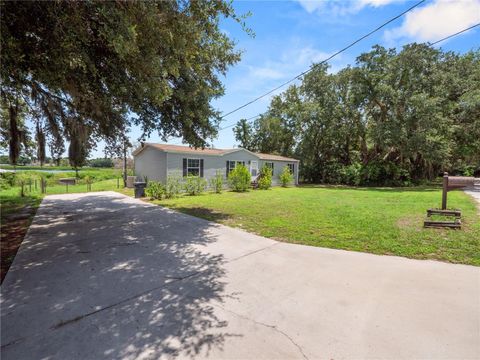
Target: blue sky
(291, 35)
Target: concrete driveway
(101, 275)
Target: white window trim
(194, 167)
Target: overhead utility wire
(429, 44)
(232, 125)
(450, 36)
(326, 60)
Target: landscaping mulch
(12, 231)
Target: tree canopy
(394, 118)
(110, 65)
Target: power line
(325, 60)
(428, 44)
(450, 36)
(232, 125)
(229, 126)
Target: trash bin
(140, 189)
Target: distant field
(53, 174)
(27, 167)
(375, 220)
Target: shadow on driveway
(124, 260)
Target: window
(231, 165)
(269, 165)
(292, 168)
(193, 167)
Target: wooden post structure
(449, 183)
(445, 191)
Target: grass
(375, 220)
(95, 174)
(103, 185)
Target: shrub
(7, 180)
(173, 185)
(265, 181)
(384, 173)
(216, 183)
(100, 163)
(286, 177)
(239, 178)
(155, 190)
(24, 181)
(194, 185)
(352, 174)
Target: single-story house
(157, 161)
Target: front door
(254, 168)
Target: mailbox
(454, 182)
(458, 182)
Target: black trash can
(140, 189)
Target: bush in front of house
(265, 181)
(155, 190)
(239, 178)
(216, 183)
(286, 177)
(194, 185)
(173, 186)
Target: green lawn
(104, 185)
(375, 220)
(96, 174)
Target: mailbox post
(445, 190)
(449, 183)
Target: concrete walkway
(101, 275)
(476, 196)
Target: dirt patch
(12, 231)
(410, 222)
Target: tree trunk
(124, 163)
(14, 141)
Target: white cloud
(436, 20)
(261, 77)
(342, 7)
(265, 73)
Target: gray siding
(210, 163)
(278, 168)
(151, 163)
(156, 164)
